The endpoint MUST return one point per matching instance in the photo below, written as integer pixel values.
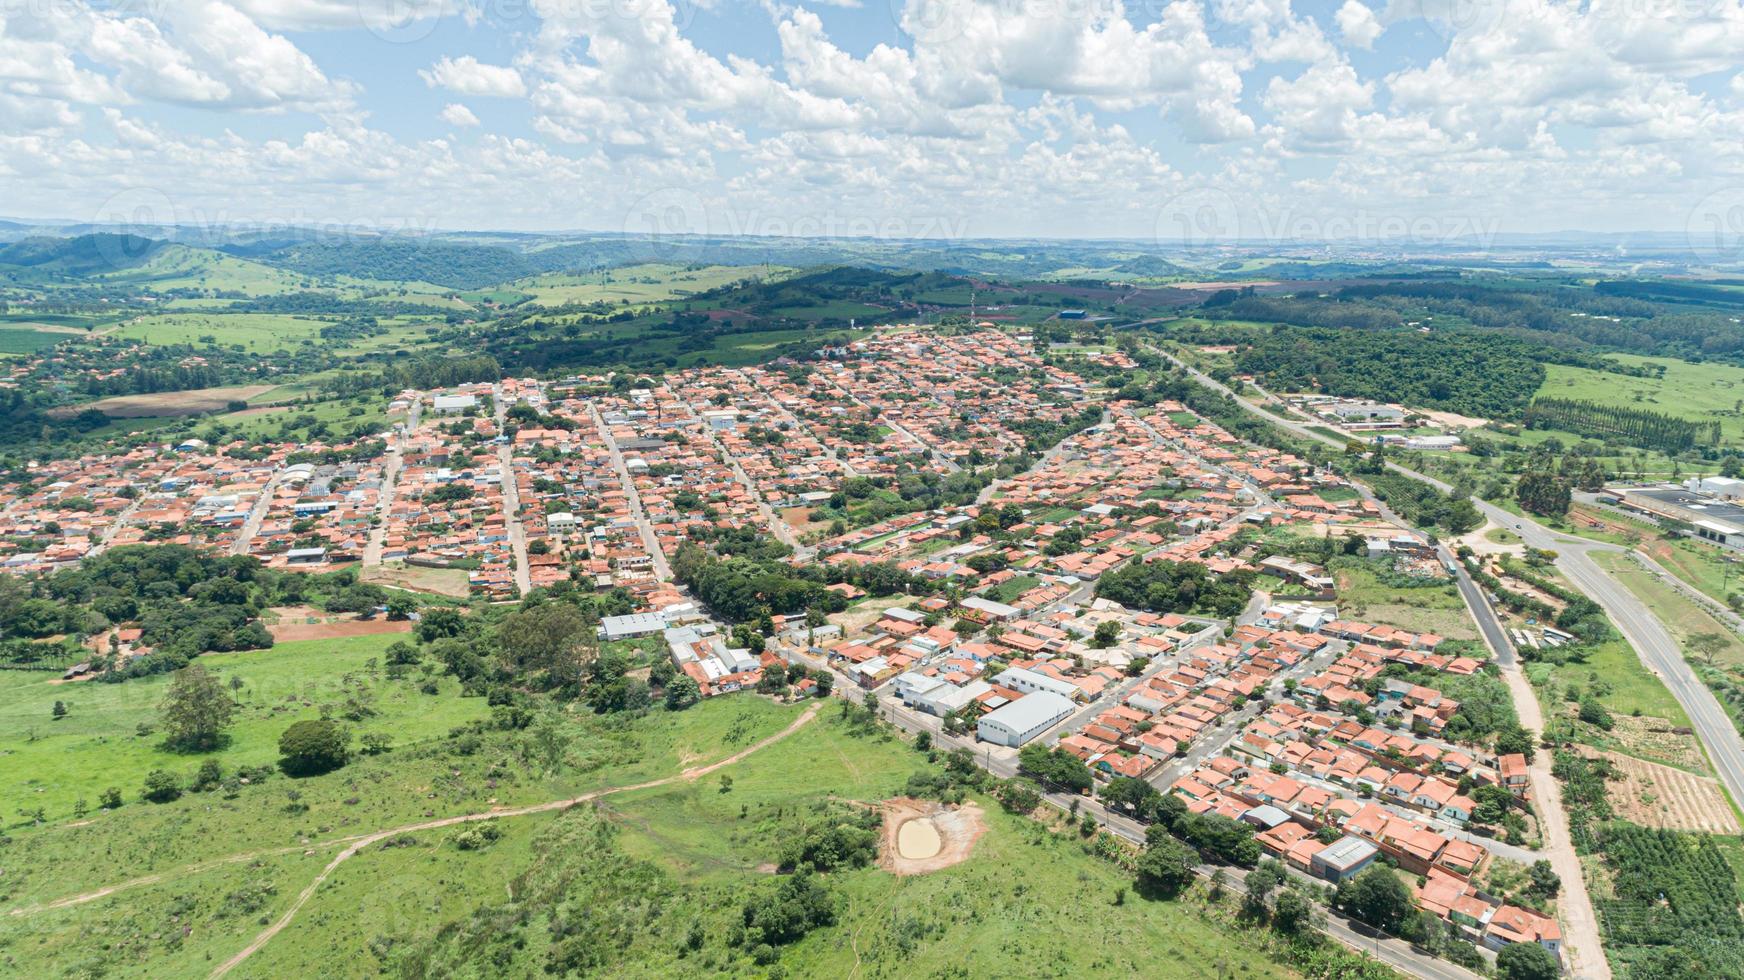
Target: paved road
(782, 530)
(1582, 940)
(512, 500)
(256, 516)
(372, 549)
(650, 541)
(1395, 953)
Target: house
(1343, 859)
(1026, 681)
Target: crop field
(1709, 392)
(1659, 796)
(252, 331)
(28, 339)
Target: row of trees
(1635, 426)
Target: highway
(1582, 944)
(1652, 642)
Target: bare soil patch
(450, 582)
(1664, 798)
(289, 623)
(924, 835)
(169, 403)
(286, 632)
(799, 518)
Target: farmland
(1708, 392)
(636, 284)
(175, 403)
(260, 332)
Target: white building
(1027, 681)
(1021, 720)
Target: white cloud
(468, 76)
(455, 114)
(1357, 24)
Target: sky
(1424, 121)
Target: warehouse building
(1021, 720)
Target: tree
(1545, 880)
(401, 606)
(59, 711)
(1165, 868)
(1543, 493)
(1376, 896)
(1292, 912)
(1527, 961)
(1707, 644)
(196, 709)
(682, 693)
(552, 637)
(310, 748)
(1515, 739)
(1106, 635)
(161, 786)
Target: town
(998, 607)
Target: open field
(252, 331)
(1426, 608)
(414, 781)
(182, 267)
(1659, 796)
(709, 846)
(651, 283)
(1708, 392)
(450, 582)
(51, 763)
(161, 404)
(1683, 618)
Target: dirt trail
(360, 843)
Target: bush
(161, 786)
(309, 748)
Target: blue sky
(1414, 120)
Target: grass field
(50, 764)
(712, 849)
(636, 284)
(262, 332)
(1681, 617)
(182, 267)
(1699, 392)
(1434, 609)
